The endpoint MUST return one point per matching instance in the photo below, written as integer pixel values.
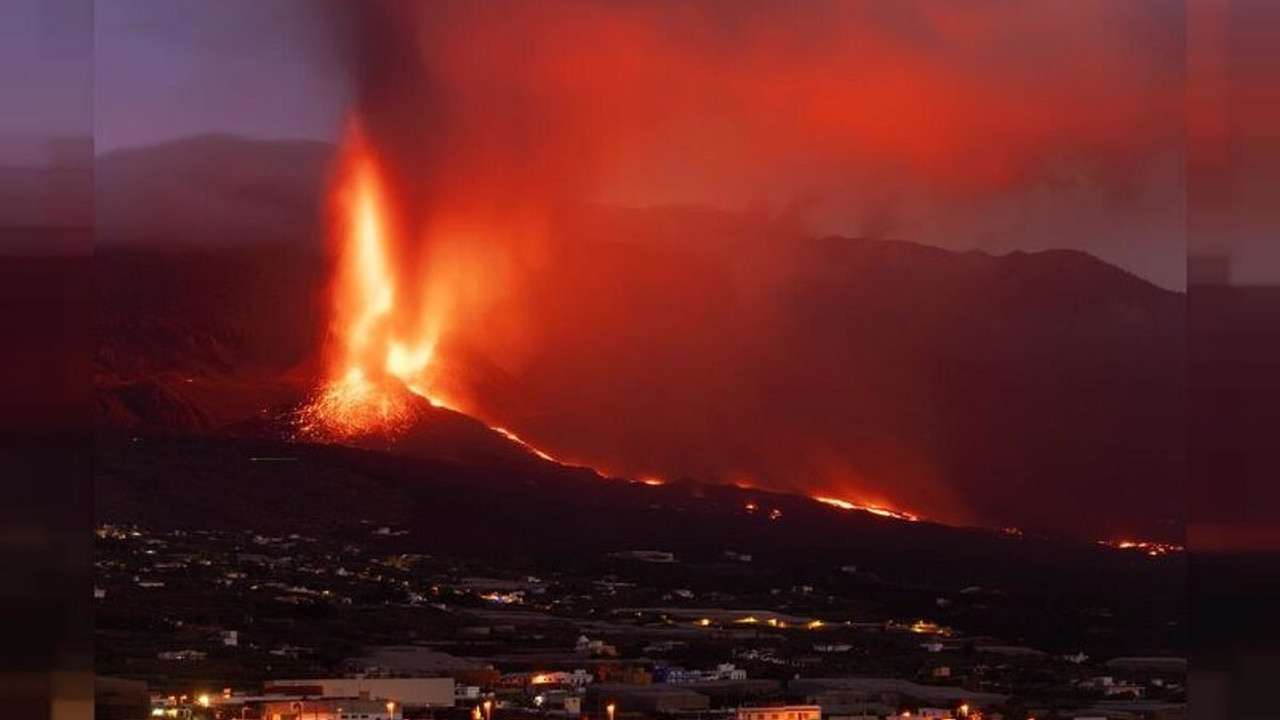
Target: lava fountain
(378, 357)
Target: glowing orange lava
(380, 358)
(873, 509)
(1152, 549)
(377, 359)
(521, 442)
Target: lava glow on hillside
(380, 356)
(1150, 548)
(873, 509)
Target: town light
(488, 710)
(610, 708)
(391, 708)
(964, 710)
(203, 700)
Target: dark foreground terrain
(541, 518)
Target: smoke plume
(607, 213)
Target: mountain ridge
(917, 372)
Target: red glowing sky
(694, 343)
(995, 125)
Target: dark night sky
(171, 68)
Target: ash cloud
(687, 340)
(948, 106)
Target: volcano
(1039, 390)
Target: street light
(488, 710)
(391, 709)
(609, 709)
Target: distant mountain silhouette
(211, 189)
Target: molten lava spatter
(377, 357)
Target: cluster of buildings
(575, 697)
(464, 641)
(681, 676)
(314, 699)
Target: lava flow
(873, 509)
(1151, 548)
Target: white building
(182, 655)
(723, 671)
(833, 647)
(1108, 686)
